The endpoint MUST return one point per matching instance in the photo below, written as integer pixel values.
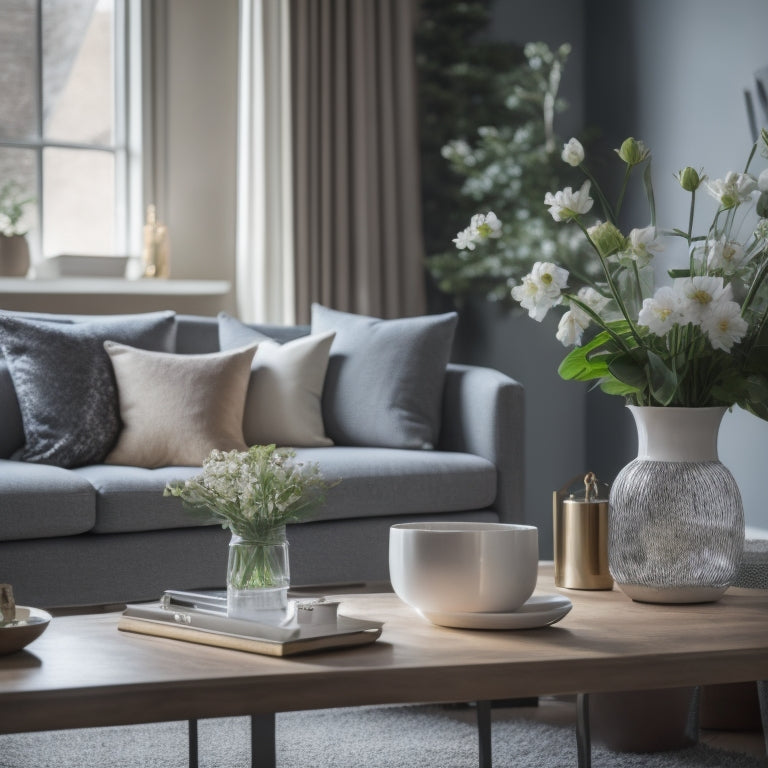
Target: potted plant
(680, 355)
(14, 248)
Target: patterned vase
(676, 522)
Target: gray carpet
(391, 737)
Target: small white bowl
(29, 624)
(463, 567)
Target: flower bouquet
(699, 341)
(254, 494)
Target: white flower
(733, 190)
(485, 225)
(575, 321)
(566, 204)
(699, 296)
(465, 239)
(573, 153)
(481, 227)
(571, 327)
(541, 289)
(762, 181)
(643, 244)
(724, 255)
(592, 298)
(724, 325)
(661, 312)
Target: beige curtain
(265, 264)
(357, 213)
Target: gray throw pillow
(65, 385)
(384, 384)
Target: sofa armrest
(484, 414)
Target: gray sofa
(105, 534)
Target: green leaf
(580, 364)
(614, 387)
(757, 388)
(664, 381)
(679, 272)
(628, 371)
(756, 409)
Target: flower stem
(611, 283)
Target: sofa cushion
(130, 499)
(177, 408)
(284, 401)
(375, 482)
(387, 481)
(64, 382)
(40, 501)
(384, 384)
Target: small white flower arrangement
(254, 493)
(702, 340)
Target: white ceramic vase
(676, 522)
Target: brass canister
(581, 537)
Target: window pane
(79, 192)
(17, 169)
(77, 70)
(18, 100)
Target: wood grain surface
(84, 672)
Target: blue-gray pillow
(384, 384)
(65, 385)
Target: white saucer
(538, 611)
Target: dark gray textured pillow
(65, 385)
(384, 384)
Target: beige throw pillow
(284, 402)
(176, 409)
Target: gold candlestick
(156, 254)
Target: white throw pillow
(175, 408)
(284, 401)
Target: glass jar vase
(258, 575)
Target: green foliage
(459, 90)
(13, 204)
(507, 166)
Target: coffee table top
(84, 672)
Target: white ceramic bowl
(466, 567)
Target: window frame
(131, 109)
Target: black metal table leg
(484, 733)
(692, 724)
(583, 738)
(192, 738)
(263, 751)
(762, 694)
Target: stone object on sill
(77, 265)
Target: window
(70, 122)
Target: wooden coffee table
(83, 672)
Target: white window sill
(104, 286)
